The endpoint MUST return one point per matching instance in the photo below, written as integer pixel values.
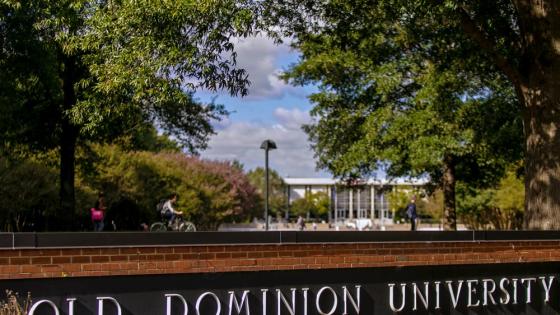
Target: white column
(350, 204)
(372, 205)
(382, 210)
(335, 200)
(359, 207)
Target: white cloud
(259, 56)
(292, 119)
(241, 141)
(221, 124)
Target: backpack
(159, 207)
(96, 215)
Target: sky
(271, 110)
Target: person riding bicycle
(168, 212)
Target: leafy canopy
(121, 61)
(396, 93)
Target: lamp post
(266, 146)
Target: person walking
(98, 213)
(411, 213)
(300, 223)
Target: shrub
(210, 192)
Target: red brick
(61, 260)
(71, 267)
(20, 260)
(41, 260)
(30, 269)
(239, 255)
(209, 256)
(186, 259)
(169, 257)
(51, 268)
(228, 255)
(118, 258)
(91, 251)
(182, 249)
(81, 259)
(109, 251)
(129, 251)
(99, 259)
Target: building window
(342, 202)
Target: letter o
(335, 304)
(202, 296)
(49, 302)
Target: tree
(277, 190)
(27, 193)
(499, 207)
(388, 101)
(312, 204)
(76, 69)
(210, 192)
(428, 203)
(516, 39)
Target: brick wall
(76, 262)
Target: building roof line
(296, 181)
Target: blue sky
(272, 110)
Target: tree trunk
(542, 166)
(450, 215)
(539, 92)
(68, 147)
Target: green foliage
(500, 207)
(80, 70)
(382, 104)
(277, 202)
(316, 205)
(144, 137)
(432, 205)
(210, 193)
(28, 191)
(133, 183)
(398, 200)
(427, 205)
(124, 61)
(398, 92)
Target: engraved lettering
(168, 303)
(454, 296)
(418, 293)
(239, 306)
(488, 292)
(392, 297)
(547, 287)
(347, 296)
(282, 300)
(101, 300)
(216, 299)
(48, 302)
(335, 301)
(472, 290)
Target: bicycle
(179, 225)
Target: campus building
(364, 199)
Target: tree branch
(476, 34)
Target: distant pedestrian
(300, 223)
(411, 213)
(98, 213)
(144, 227)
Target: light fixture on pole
(266, 146)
